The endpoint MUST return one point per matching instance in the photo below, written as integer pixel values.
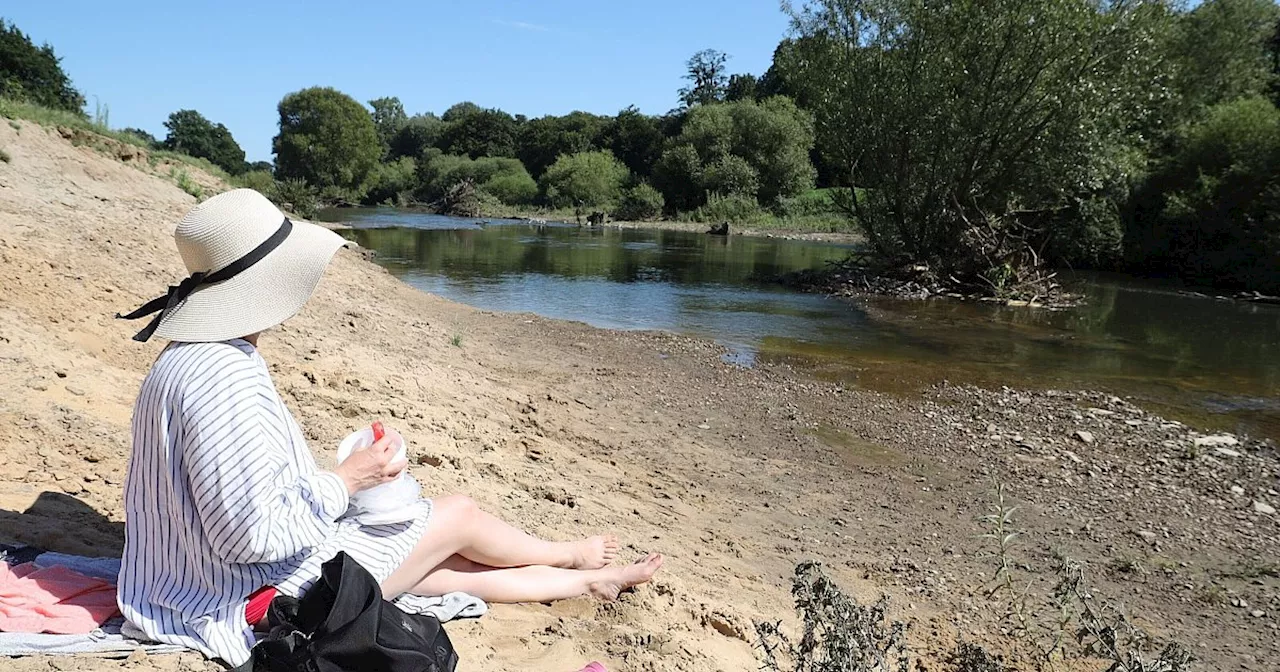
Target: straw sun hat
(251, 269)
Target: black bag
(342, 624)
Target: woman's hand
(372, 466)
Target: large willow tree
(977, 132)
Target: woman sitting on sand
(223, 499)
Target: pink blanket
(54, 600)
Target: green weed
(456, 340)
(4, 156)
(15, 125)
(186, 184)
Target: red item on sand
(258, 603)
(378, 431)
(55, 600)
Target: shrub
(512, 188)
(147, 139)
(588, 179)
(260, 181)
(4, 156)
(503, 178)
(678, 175)
(326, 138)
(731, 175)
(296, 195)
(732, 208)
(185, 182)
(1212, 212)
(392, 182)
(812, 202)
(640, 203)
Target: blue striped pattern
(224, 497)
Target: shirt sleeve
(237, 458)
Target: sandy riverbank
(735, 474)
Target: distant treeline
(985, 142)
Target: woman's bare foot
(622, 578)
(593, 552)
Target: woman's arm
(236, 454)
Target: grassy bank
(812, 212)
(44, 116)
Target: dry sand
(735, 474)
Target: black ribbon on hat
(179, 292)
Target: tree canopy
(34, 74)
(327, 139)
(192, 134)
(707, 77)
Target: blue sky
(234, 60)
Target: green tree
(678, 175)
(589, 179)
(192, 134)
(417, 134)
(731, 174)
(459, 110)
(388, 118)
(973, 127)
(771, 138)
(1211, 213)
(260, 166)
(636, 139)
(479, 133)
(707, 78)
(34, 74)
(640, 203)
(741, 87)
(1220, 48)
(541, 141)
(327, 139)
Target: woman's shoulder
(184, 363)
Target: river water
(1205, 361)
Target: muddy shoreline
(736, 474)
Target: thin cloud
(522, 25)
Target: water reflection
(1203, 360)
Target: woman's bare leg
(459, 527)
(534, 583)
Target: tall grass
(15, 109)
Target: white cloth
(107, 641)
(223, 497)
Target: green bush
(1212, 213)
(296, 195)
(589, 179)
(327, 139)
(392, 183)
(731, 175)
(4, 156)
(512, 188)
(812, 202)
(640, 203)
(261, 181)
(732, 208)
(678, 175)
(503, 178)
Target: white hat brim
(260, 297)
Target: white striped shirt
(223, 497)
